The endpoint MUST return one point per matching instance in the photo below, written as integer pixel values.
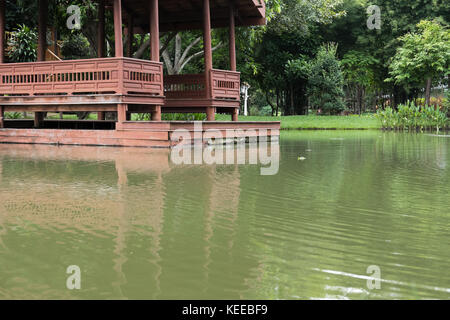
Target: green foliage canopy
(325, 84)
(423, 54)
(23, 47)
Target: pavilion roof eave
(222, 23)
(180, 15)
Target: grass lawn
(316, 122)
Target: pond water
(141, 227)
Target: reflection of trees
(137, 226)
(75, 206)
(141, 227)
(203, 245)
(360, 198)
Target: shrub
(23, 47)
(413, 117)
(13, 115)
(326, 81)
(75, 46)
(434, 101)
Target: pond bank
(313, 122)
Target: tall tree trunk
(428, 92)
(292, 99)
(358, 99)
(270, 103)
(176, 61)
(278, 99)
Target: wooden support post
(207, 45)
(42, 30)
(210, 114)
(235, 114)
(101, 115)
(121, 115)
(101, 29)
(2, 114)
(210, 111)
(154, 30)
(118, 28)
(122, 112)
(154, 39)
(38, 119)
(156, 115)
(2, 31)
(42, 47)
(232, 38)
(101, 42)
(130, 36)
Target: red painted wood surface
(118, 38)
(139, 134)
(186, 86)
(225, 85)
(2, 31)
(177, 15)
(42, 29)
(104, 75)
(45, 86)
(101, 29)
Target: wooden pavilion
(121, 83)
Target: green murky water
(141, 227)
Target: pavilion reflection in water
(154, 226)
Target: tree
(176, 58)
(284, 15)
(75, 46)
(89, 9)
(325, 84)
(21, 12)
(279, 50)
(398, 17)
(280, 74)
(298, 72)
(358, 75)
(424, 56)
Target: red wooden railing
(188, 86)
(142, 77)
(224, 85)
(104, 75)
